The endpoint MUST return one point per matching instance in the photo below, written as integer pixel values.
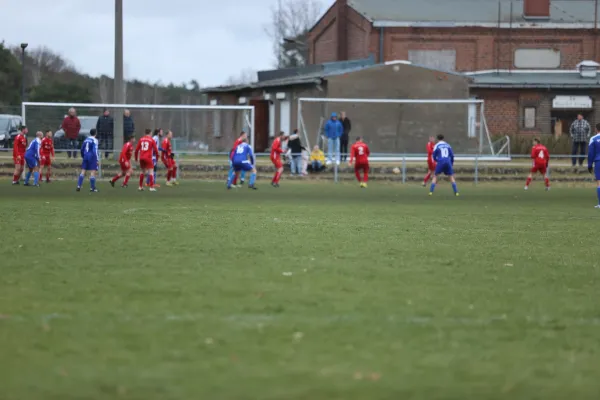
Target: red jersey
(361, 152)
(146, 149)
(126, 153)
(430, 147)
(540, 155)
(276, 149)
(19, 146)
(47, 147)
(167, 149)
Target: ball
(396, 170)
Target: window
(529, 117)
(537, 58)
(444, 60)
(285, 114)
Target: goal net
(396, 128)
(199, 130)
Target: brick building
(523, 54)
(389, 128)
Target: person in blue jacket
(333, 131)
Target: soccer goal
(397, 129)
(198, 130)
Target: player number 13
(145, 146)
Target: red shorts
(541, 168)
(19, 160)
(169, 162)
(46, 161)
(431, 165)
(277, 163)
(364, 167)
(146, 164)
(125, 166)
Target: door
(472, 120)
(261, 125)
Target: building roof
(311, 74)
(470, 12)
(533, 80)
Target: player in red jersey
(430, 162)
(125, 163)
(19, 148)
(541, 158)
(47, 155)
(232, 173)
(168, 159)
(276, 150)
(360, 151)
(144, 151)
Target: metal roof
(537, 80)
(471, 11)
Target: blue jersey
(443, 154)
(89, 149)
(594, 150)
(33, 150)
(243, 154)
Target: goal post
(397, 128)
(197, 129)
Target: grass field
(312, 291)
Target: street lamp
(23, 47)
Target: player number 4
(541, 155)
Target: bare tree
(247, 75)
(290, 22)
(42, 62)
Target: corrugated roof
(547, 80)
(457, 11)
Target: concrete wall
(398, 128)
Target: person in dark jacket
(345, 136)
(105, 128)
(128, 125)
(71, 126)
(295, 150)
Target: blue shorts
(89, 165)
(597, 170)
(444, 168)
(243, 166)
(31, 162)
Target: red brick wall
(476, 48)
(501, 111)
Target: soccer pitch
(311, 291)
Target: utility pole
(119, 89)
(23, 47)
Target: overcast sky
(165, 40)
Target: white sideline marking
(130, 211)
(245, 319)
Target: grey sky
(165, 40)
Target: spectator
(105, 128)
(580, 134)
(128, 125)
(333, 131)
(345, 136)
(317, 159)
(295, 150)
(71, 126)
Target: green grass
(330, 292)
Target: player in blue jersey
(243, 160)
(32, 159)
(594, 160)
(91, 158)
(444, 157)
